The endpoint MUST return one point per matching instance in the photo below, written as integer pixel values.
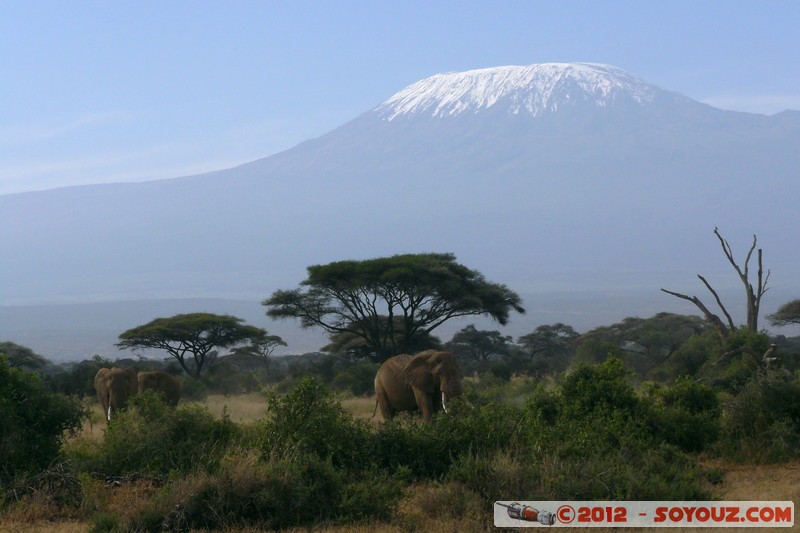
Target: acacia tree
(355, 345)
(753, 294)
(389, 302)
(192, 334)
(786, 315)
(549, 339)
(262, 346)
(479, 344)
(22, 356)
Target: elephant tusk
(444, 401)
(108, 416)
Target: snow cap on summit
(533, 89)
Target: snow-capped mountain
(555, 179)
(532, 89)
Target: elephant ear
(101, 375)
(418, 373)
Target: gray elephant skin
(114, 386)
(423, 381)
(161, 382)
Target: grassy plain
(425, 507)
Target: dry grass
(248, 408)
(11, 526)
(361, 407)
(241, 408)
(760, 482)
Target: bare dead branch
(711, 317)
(753, 295)
(719, 302)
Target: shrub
(590, 440)
(691, 355)
(193, 389)
(270, 495)
(686, 414)
(762, 423)
(33, 422)
(498, 476)
(600, 386)
(151, 438)
(608, 455)
(309, 421)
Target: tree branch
(719, 302)
(714, 319)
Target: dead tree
(753, 294)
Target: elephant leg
(387, 411)
(425, 404)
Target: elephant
(407, 382)
(114, 386)
(161, 382)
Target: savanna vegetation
(658, 408)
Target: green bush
(686, 414)
(193, 389)
(498, 476)
(154, 439)
(690, 357)
(274, 494)
(762, 422)
(600, 386)
(309, 421)
(736, 362)
(603, 455)
(428, 451)
(33, 422)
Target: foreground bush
(310, 421)
(762, 423)
(247, 491)
(153, 439)
(686, 414)
(33, 422)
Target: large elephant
(114, 386)
(425, 381)
(161, 382)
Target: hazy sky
(105, 91)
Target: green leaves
(33, 422)
(390, 301)
(787, 314)
(195, 334)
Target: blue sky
(107, 91)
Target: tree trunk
(753, 295)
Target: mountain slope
(557, 176)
